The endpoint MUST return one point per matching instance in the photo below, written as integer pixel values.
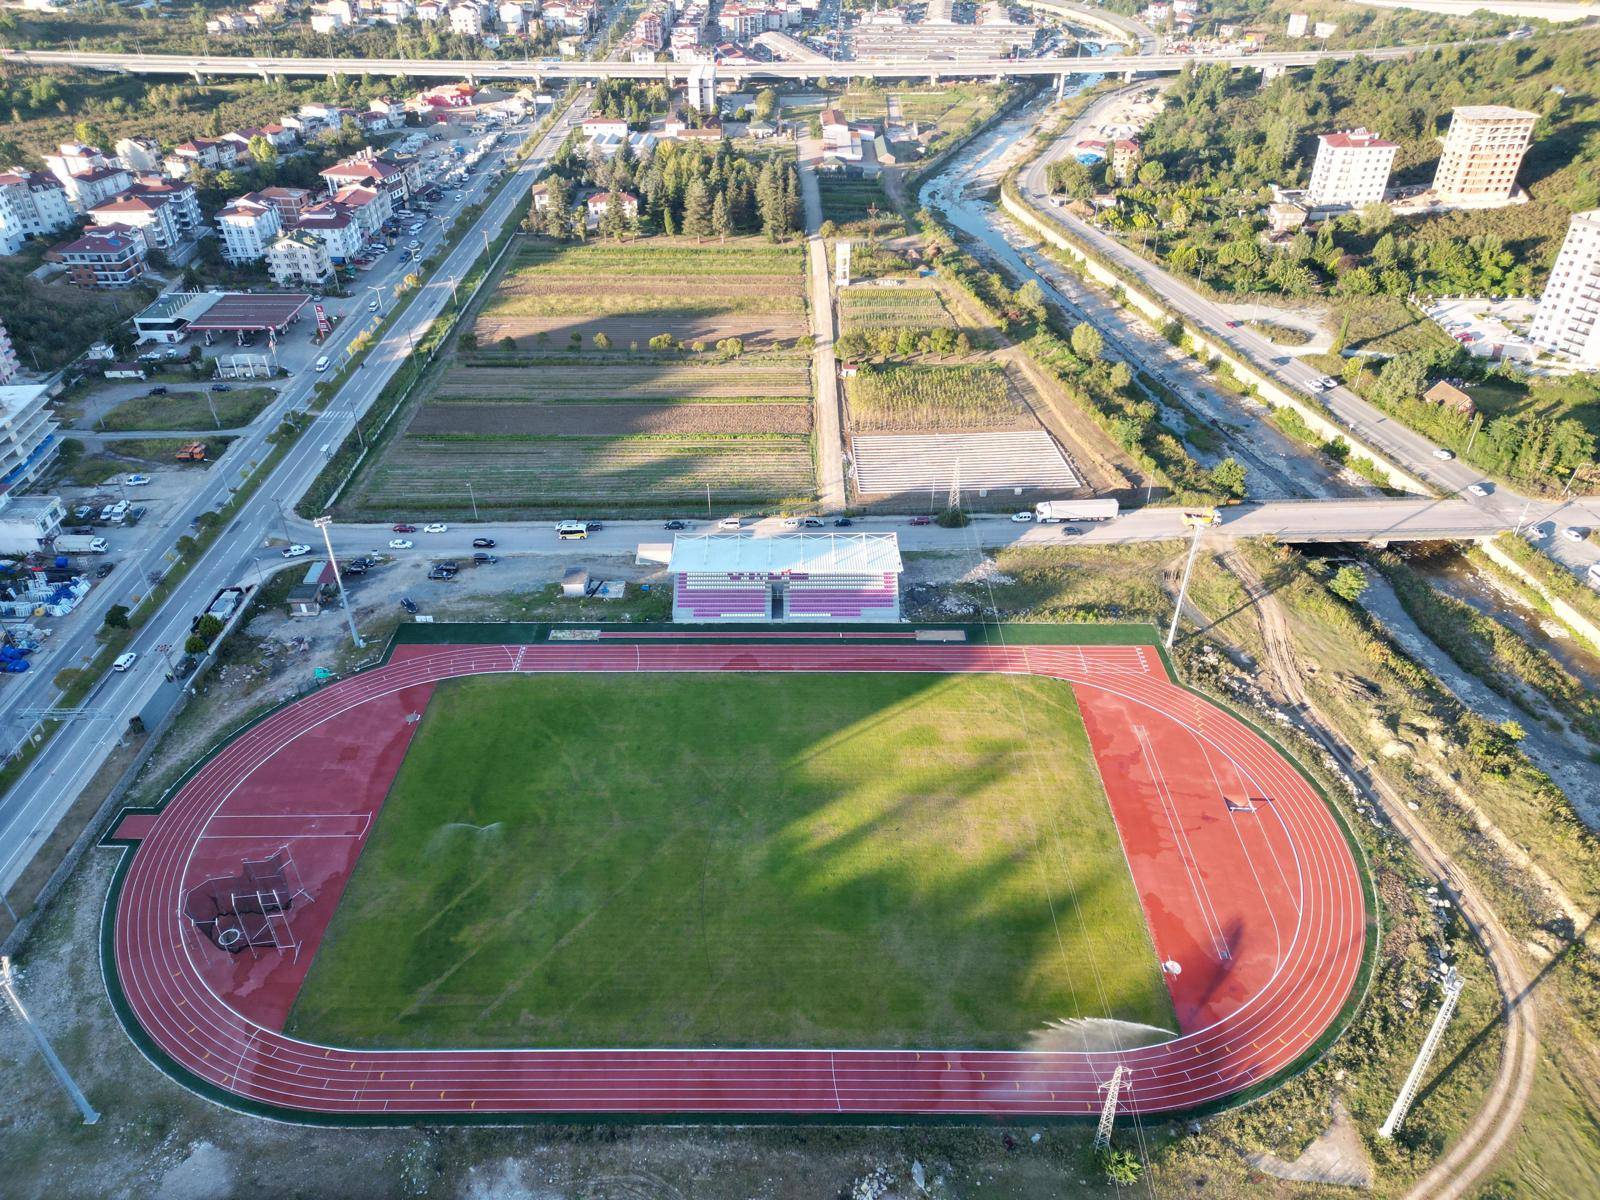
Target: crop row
(931, 398)
(614, 419)
(862, 310)
(557, 385)
(657, 256)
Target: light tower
(8, 986)
(1408, 1090)
(322, 523)
(1108, 1110)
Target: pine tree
(721, 220)
(696, 210)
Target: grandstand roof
(796, 553)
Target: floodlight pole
(8, 985)
(322, 523)
(1183, 588)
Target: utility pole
(322, 523)
(1430, 1044)
(1183, 588)
(1108, 1109)
(8, 981)
(474, 496)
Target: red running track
(1247, 883)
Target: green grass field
(737, 860)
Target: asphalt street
(32, 807)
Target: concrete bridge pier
(933, 79)
(1061, 87)
(1270, 72)
(197, 77)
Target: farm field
(882, 860)
(919, 398)
(867, 309)
(633, 291)
(551, 423)
(560, 475)
(847, 203)
(189, 410)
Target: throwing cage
(249, 910)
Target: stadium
(807, 873)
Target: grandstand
(792, 577)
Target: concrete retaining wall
(1565, 613)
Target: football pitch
(677, 860)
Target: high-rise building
(9, 366)
(1352, 169)
(1482, 151)
(1568, 319)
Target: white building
(88, 174)
(1482, 153)
(1568, 319)
(9, 366)
(27, 433)
(1351, 171)
(32, 204)
(466, 19)
(1297, 25)
(370, 207)
(335, 227)
(299, 258)
(140, 153)
(154, 216)
(702, 88)
(248, 227)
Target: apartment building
(88, 174)
(1482, 153)
(398, 175)
(105, 256)
(32, 204)
(27, 438)
(299, 258)
(289, 201)
(1568, 320)
(248, 226)
(335, 227)
(9, 366)
(466, 19)
(368, 206)
(139, 153)
(153, 216)
(1351, 170)
(701, 87)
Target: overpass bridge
(201, 66)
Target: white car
(124, 661)
(1327, 383)
(1022, 518)
(400, 543)
(729, 523)
(1477, 489)
(296, 550)
(436, 527)
(1443, 455)
(1572, 533)
(138, 480)
(791, 522)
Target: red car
(922, 520)
(405, 528)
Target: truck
(72, 543)
(1049, 512)
(192, 452)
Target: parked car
(922, 520)
(220, 387)
(676, 525)
(1022, 518)
(436, 527)
(843, 522)
(1443, 455)
(1572, 533)
(593, 526)
(811, 522)
(401, 543)
(407, 603)
(1071, 531)
(104, 569)
(138, 480)
(729, 523)
(157, 391)
(442, 572)
(403, 528)
(791, 522)
(1477, 489)
(483, 543)
(298, 550)
(483, 559)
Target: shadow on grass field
(745, 860)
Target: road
(549, 69)
(32, 807)
(1399, 443)
(824, 365)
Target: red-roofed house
(106, 256)
(369, 206)
(597, 204)
(385, 171)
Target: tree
(601, 341)
(1121, 1167)
(721, 218)
(117, 616)
(1121, 375)
(1229, 475)
(661, 341)
(828, 230)
(1030, 298)
(195, 644)
(90, 134)
(766, 104)
(696, 210)
(1087, 343)
(1348, 583)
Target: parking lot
(1488, 327)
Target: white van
(322, 363)
(124, 661)
(572, 530)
